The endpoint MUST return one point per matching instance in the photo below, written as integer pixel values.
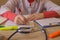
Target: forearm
(39, 16)
(48, 14)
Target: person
(36, 9)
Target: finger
(31, 18)
(34, 18)
(24, 19)
(21, 17)
(18, 22)
(21, 21)
(37, 17)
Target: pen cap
(9, 28)
(1, 26)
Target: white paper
(48, 21)
(2, 19)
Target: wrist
(41, 15)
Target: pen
(8, 27)
(55, 34)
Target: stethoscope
(19, 31)
(43, 30)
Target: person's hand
(35, 16)
(20, 19)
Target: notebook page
(48, 21)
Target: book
(49, 22)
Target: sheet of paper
(2, 19)
(10, 23)
(49, 21)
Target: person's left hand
(35, 16)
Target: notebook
(2, 19)
(48, 22)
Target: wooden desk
(31, 36)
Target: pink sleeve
(9, 15)
(50, 14)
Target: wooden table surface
(38, 35)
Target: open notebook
(2, 19)
(48, 22)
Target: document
(48, 22)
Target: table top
(38, 35)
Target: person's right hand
(20, 19)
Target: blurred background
(4, 1)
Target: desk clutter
(50, 22)
(32, 27)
